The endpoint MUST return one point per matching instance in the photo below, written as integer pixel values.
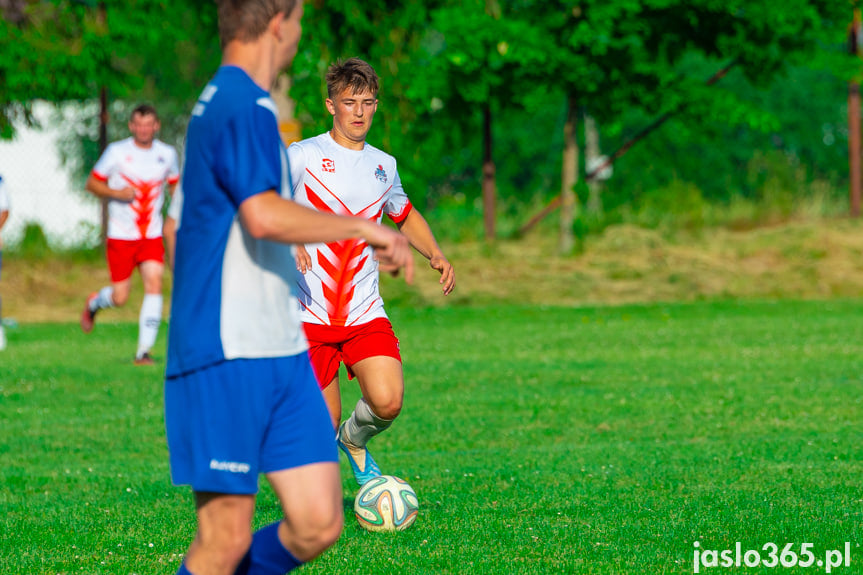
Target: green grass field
(539, 440)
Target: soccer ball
(386, 503)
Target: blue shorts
(228, 422)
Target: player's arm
(169, 234)
(4, 215)
(419, 234)
(101, 189)
(269, 216)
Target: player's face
(352, 116)
(143, 128)
(291, 30)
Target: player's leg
(333, 399)
(300, 461)
(373, 356)
(311, 498)
(224, 533)
(216, 420)
(382, 385)
(150, 317)
(121, 263)
(325, 356)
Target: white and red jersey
(145, 169)
(341, 289)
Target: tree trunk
(489, 187)
(103, 143)
(593, 155)
(569, 178)
(854, 122)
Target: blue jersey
(233, 295)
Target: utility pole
(854, 135)
(102, 17)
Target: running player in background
(240, 395)
(4, 215)
(132, 174)
(343, 313)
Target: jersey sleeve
(107, 163)
(397, 205)
(248, 153)
(4, 197)
(174, 172)
(176, 207)
(297, 166)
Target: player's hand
(304, 260)
(447, 273)
(392, 250)
(127, 194)
(389, 269)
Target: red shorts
(125, 255)
(329, 346)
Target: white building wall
(40, 188)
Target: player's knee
(324, 532)
(389, 409)
(316, 530)
(227, 548)
(120, 297)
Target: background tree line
(485, 102)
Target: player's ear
(331, 106)
(275, 25)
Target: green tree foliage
(67, 50)
(441, 62)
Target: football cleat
(144, 359)
(362, 464)
(88, 317)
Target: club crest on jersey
(328, 166)
(381, 174)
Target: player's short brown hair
(144, 110)
(246, 20)
(353, 73)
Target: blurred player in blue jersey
(240, 395)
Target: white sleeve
(107, 163)
(176, 207)
(397, 205)
(174, 173)
(4, 197)
(296, 166)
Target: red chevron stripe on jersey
(146, 194)
(345, 259)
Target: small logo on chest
(328, 165)
(381, 174)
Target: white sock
(103, 300)
(148, 322)
(363, 424)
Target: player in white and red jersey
(133, 174)
(342, 309)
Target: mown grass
(539, 440)
(624, 264)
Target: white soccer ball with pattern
(386, 503)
